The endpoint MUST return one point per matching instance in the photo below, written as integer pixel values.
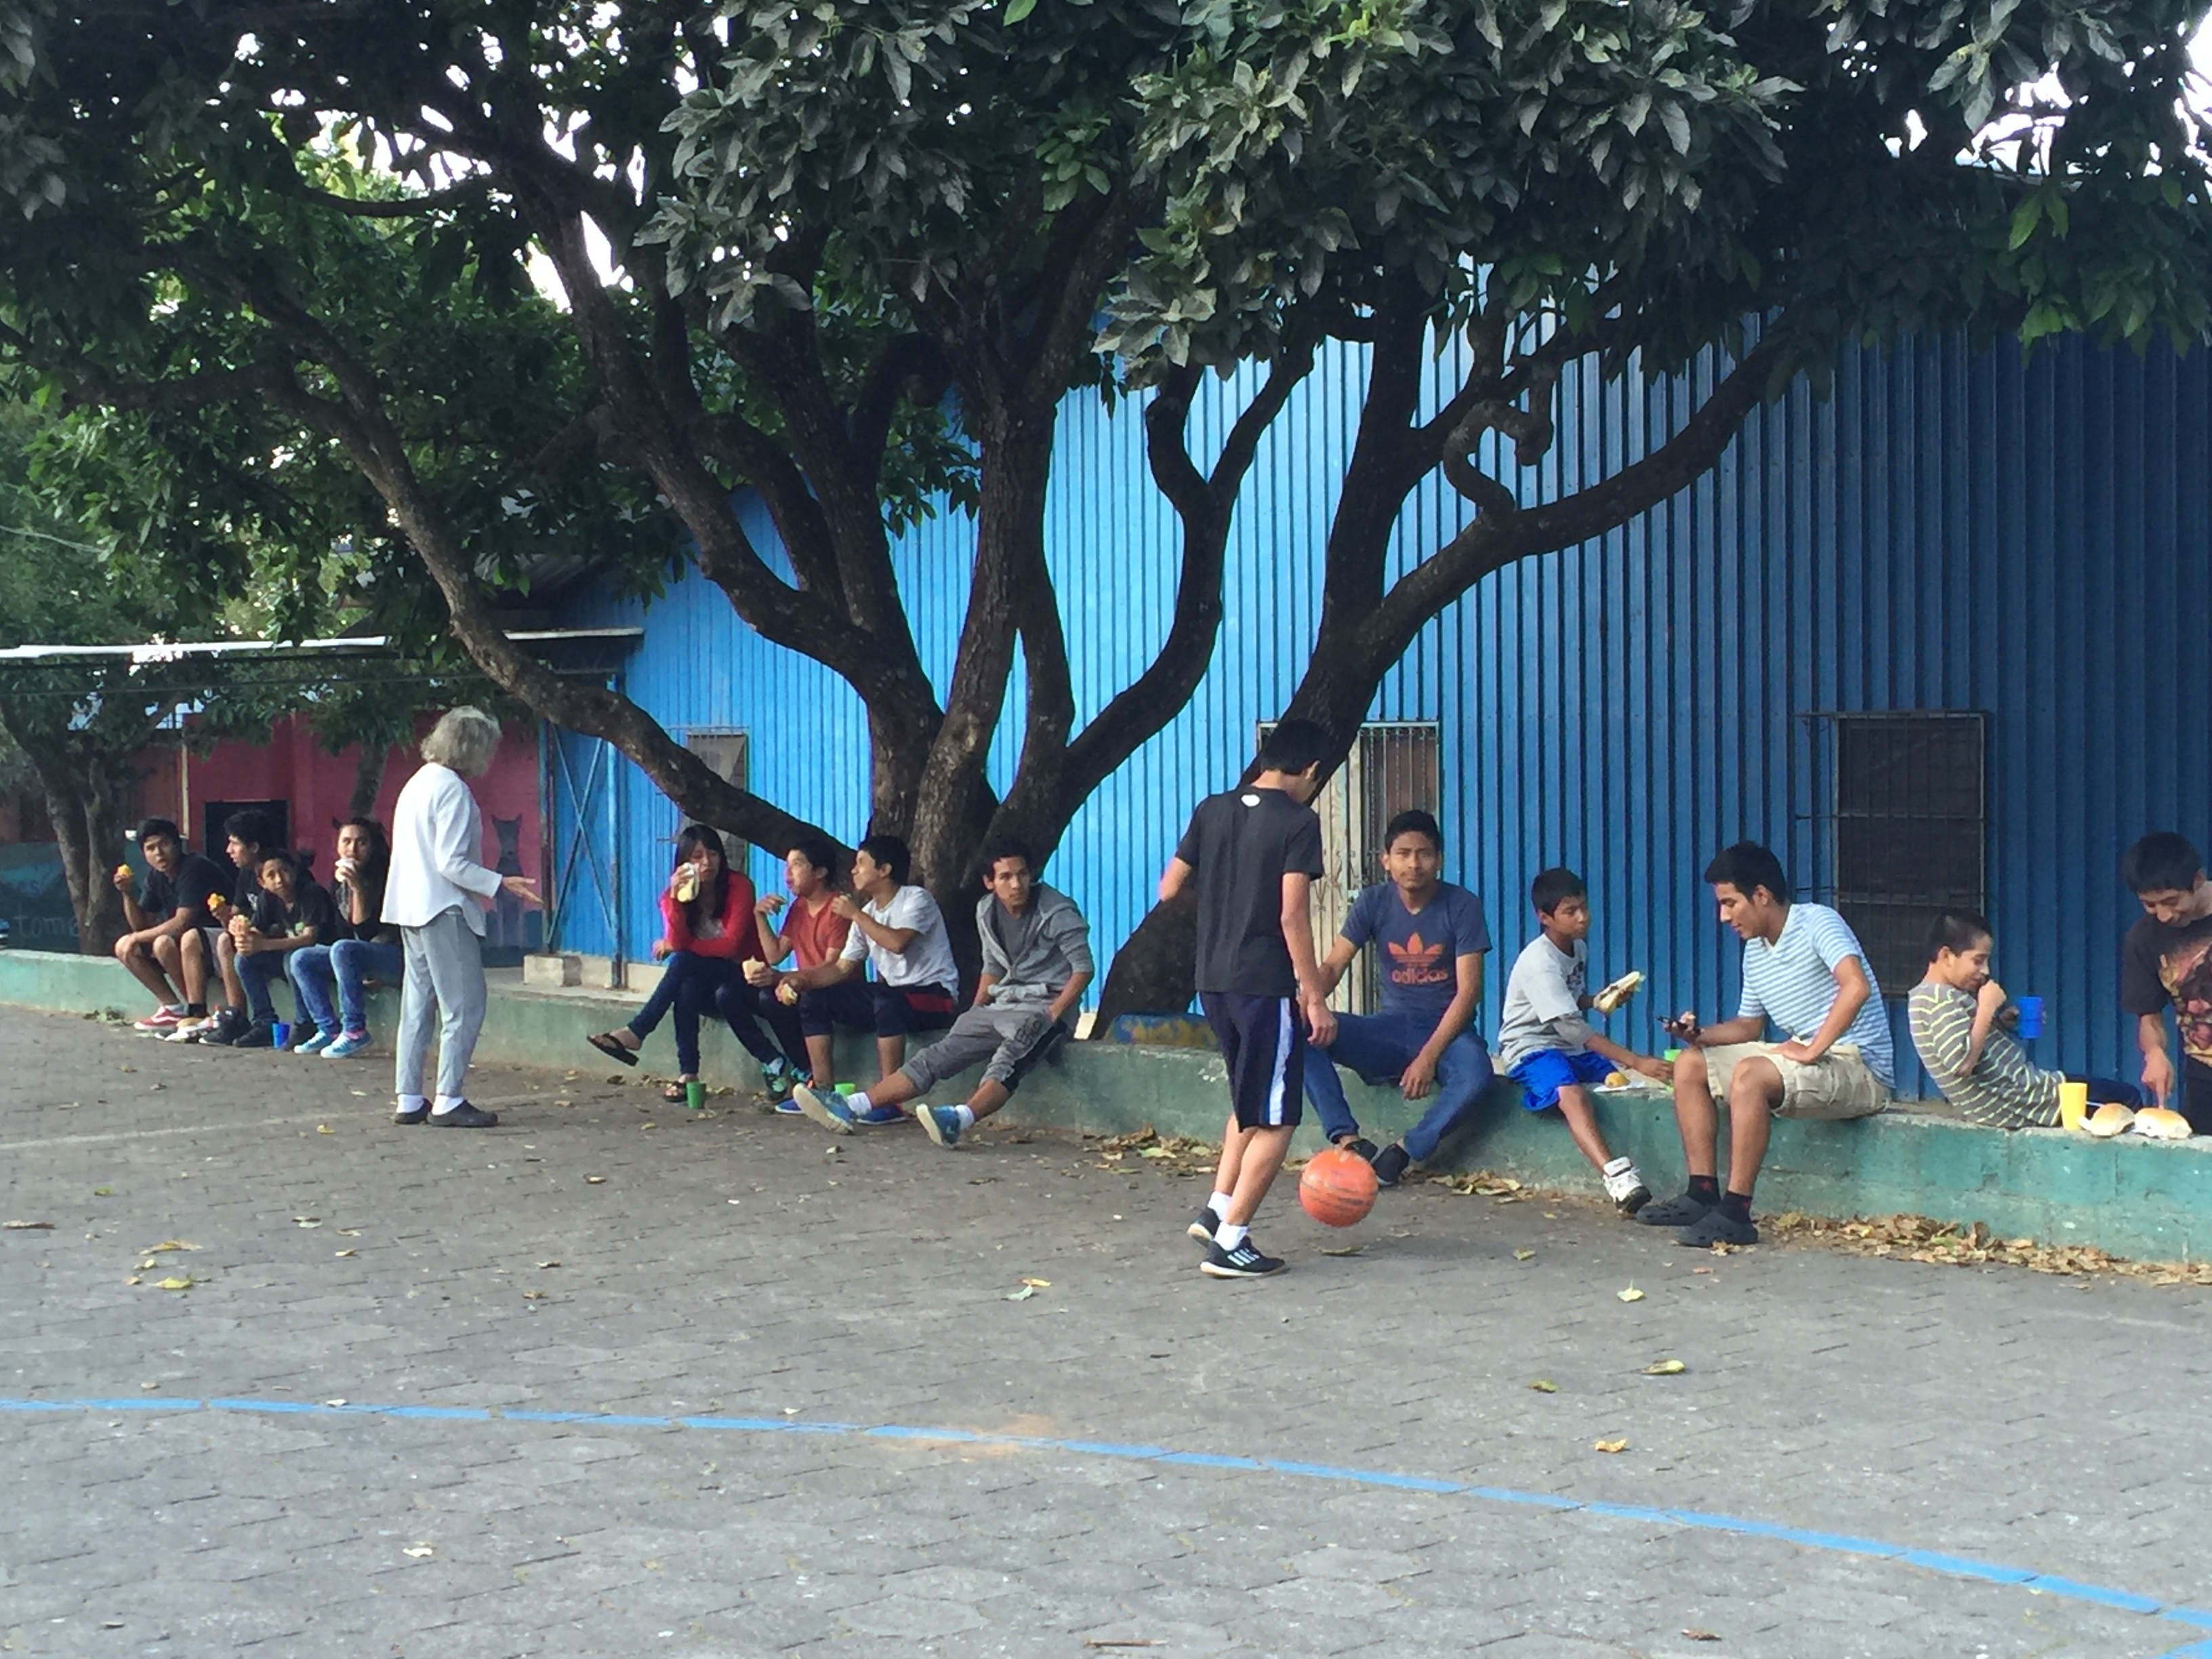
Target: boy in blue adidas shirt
(1804, 969)
(1431, 937)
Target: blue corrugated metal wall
(1952, 529)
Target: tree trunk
(81, 782)
(367, 779)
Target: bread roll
(2109, 1119)
(2161, 1124)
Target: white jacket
(437, 833)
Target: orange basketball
(1338, 1187)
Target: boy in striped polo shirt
(1961, 1019)
(1804, 969)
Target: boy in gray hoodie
(1036, 962)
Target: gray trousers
(444, 961)
(1009, 1037)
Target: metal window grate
(1908, 831)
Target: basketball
(1338, 1187)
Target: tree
(851, 255)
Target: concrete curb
(2134, 1198)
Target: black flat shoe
(415, 1116)
(464, 1116)
(611, 1045)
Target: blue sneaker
(829, 1110)
(788, 1108)
(941, 1124)
(878, 1117)
(349, 1044)
(314, 1045)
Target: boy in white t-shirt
(1549, 1049)
(899, 932)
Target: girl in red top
(708, 912)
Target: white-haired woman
(435, 895)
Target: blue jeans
(688, 985)
(347, 964)
(255, 973)
(1381, 1047)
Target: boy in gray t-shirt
(1549, 1049)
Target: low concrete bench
(2135, 1198)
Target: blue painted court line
(1934, 1561)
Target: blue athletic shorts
(1542, 1076)
(1263, 1043)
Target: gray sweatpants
(1010, 1036)
(444, 961)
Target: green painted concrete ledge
(2134, 1198)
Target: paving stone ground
(603, 1253)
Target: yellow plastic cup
(2073, 1104)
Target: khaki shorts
(1836, 1085)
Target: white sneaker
(1624, 1186)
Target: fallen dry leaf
(1524, 1255)
(1038, 1284)
(533, 1295)
(103, 1192)
(1340, 1249)
(1666, 1368)
(176, 1282)
(1022, 1295)
(348, 1252)
(549, 1264)
(170, 1244)
(1544, 1385)
(1610, 1445)
(306, 1221)
(1631, 1294)
(27, 1227)
(134, 1279)
(594, 1181)
(324, 1129)
(418, 1551)
(1702, 1635)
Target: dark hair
(380, 843)
(250, 828)
(891, 853)
(149, 828)
(281, 855)
(709, 901)
(1007, 847)
(2161, 862)
(1748, 867)
(1554, 886)
(1412, 822)
(817, 853)
(1957, 930)
(1294, 746)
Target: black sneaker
(1718, 1227)
(261, 1034)
(415, 1116)
(464, 1116)
(1361, 1145)
(1391, 1165)
(229, 1026)
(1245, 1262)
(1203, 1224)
(1687, 1210)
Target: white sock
(967, 1116)
(858, 1103)
(1220, 1203)
(445, 1103)
(412, 1103)
(1229, 1235)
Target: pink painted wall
(292, 767)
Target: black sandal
(674, 1094)
(609, 1045)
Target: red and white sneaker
(161, 1019)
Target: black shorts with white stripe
(1263, 1043)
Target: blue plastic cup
(2031, 1018)
(281, 1035)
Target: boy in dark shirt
(289, 914)
(244, 835)
(2166, 959)
(163, 942)
(1431, 936)
(1254, 852)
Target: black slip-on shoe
(1718, 1227)
(1682, 1211)
(464, 1116)
(415, 1116)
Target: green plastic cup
(694, 1095)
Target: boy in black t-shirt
(245, 835)
(2166, 959)
(289, 914)
(1254, 852)
(162, 945)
